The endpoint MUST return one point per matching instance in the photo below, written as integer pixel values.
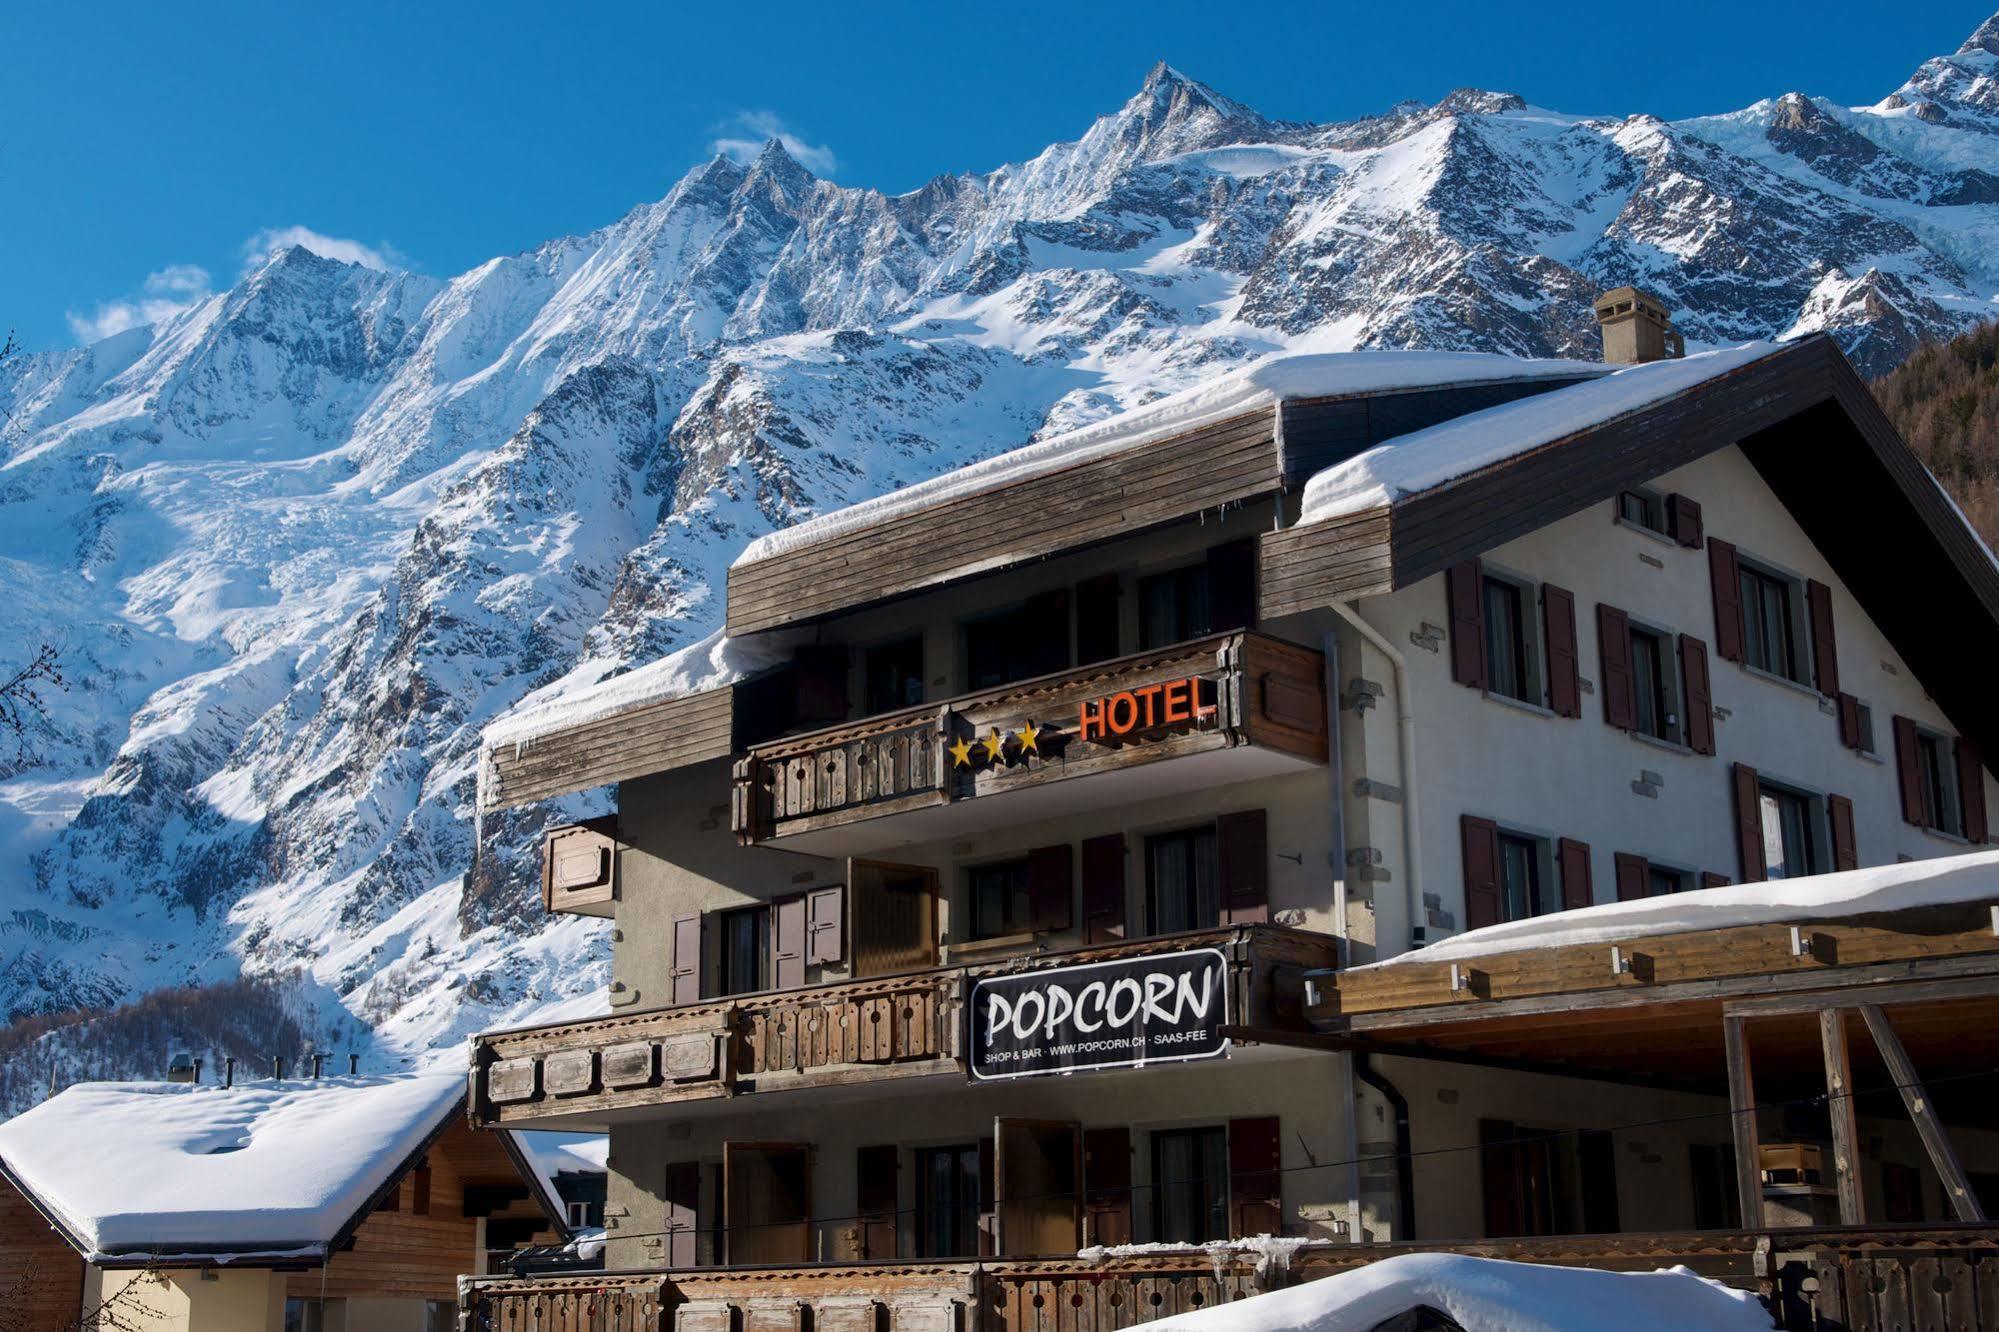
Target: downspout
(1336, 803)
(1405, 1157)
(1406, 743)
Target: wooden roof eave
(620, 746)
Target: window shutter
(1684, 515)
(1242, 840)
(1825, 653)
(1748, 824)
(875, 1198)
(1103, 888)
(684, 968)
(1232, 585)
(821, 674)
(1097, 619)
(1465, 582)
(1700, 694)
(1613, 640)
(683, 1205)
(1107, 1185)
(787, 942)
(1574, 858)
(825, 925)
(1971, 790)
(1725, 576)
(1051, 887)
(1839, 813)
(1709, 879)
(1256, 1195)
(1634, 877)
(1849, 721)
(1558, 613)
(1481, 848)
(1908, 769)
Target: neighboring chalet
(314, 1205)
(1051, 855)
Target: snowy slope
(301, 541)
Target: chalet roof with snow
(258, 1172)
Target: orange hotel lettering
(1146, 708)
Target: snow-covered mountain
(300, 541)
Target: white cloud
(748, 132)
(272, 239)
(165, 294)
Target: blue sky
(149, 149)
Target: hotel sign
(1175, 705)
(1163, 1009)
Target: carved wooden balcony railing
(844, 1032)
(1213, 693)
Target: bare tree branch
(22, 698)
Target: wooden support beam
(1849, 995)
(1964, 1201)
(1839, 1104)
(1742, 1107)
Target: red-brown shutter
(1634, 877)
(1709, 879)
(1051, 887)
(1232, 585)
(1725, 577)
(1825, 651)
(1748, 824)
(875, 1199)
(1574, 859)
(1242, 840)
(1558, 617)
(822, 683)
(1849, 721)
(1481, 847)
(825, 925)
(683, 1208)
(1465, 583)
(1256, 1194)
(1908, 769)
(684, 966)
(787, 942)
(1684, 516)
(1700, 694)
(1971, 790)
(1103, 888)
(1107, 1185)
(1613, 641)
(1097, 619)
(1839, 813)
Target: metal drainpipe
(1405, 1158)
(1337, 801)
(1406, 735)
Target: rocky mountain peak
(1479, 102)
(1984, 38)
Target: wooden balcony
(582, 1074)
(1235, 705)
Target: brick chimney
(1636, 328)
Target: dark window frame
(956, 1209)
(881, 673)
(1643, 507)
(1176, 1191)
(1203, 847)
(986, 876)
(1525, 869)
(1807, 825)
(1773, 631)
(755, 921)
(1937, 778)
(1658, 693)
(1191, 601)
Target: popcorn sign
(1123, 1014)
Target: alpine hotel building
(1007, 882)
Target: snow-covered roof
(1486, 1294)
(261, 1170)
(1297, 375)
(553, 1154)
(1416, 462)
(1947, 881)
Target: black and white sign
(1138, 1010)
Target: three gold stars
(990, 750)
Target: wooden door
(767, 1202)
(1037, 1185)
(893, 910)
(1107, 1185)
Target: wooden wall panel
(41, 1277)
(1310, 566)
(1319, 432)
(655, 738)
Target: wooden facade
(41, 1277)
(825, 1035)
(652, 738)
(1250, 690)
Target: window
(1769, 623)
(1173, 607)
(1863, 728)
(1510, 648)
(1655, 685)
(440, 1315)
(999, 899)
(895, 675)
(1716, 1204)
(947, 1201)
(1936, 769)
(1190, 1185)
(1789, 848)
(1643, 508)
(1182, 880)
(304, 1315)
(1660, 880)
(1030, 640)
(1539, 1182)
(745, 957)
(1521, 880)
